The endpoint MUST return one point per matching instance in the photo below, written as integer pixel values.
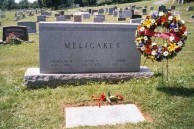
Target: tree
(52, 3)
(9, 4)
(24, 4)
(40, 3)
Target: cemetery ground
(165, 104)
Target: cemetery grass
(165, 104)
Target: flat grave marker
(105, 115)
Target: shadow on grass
(177, 91)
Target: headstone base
(33, 77)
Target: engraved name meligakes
(75, 45)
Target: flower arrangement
(173, 33)
(13, 39)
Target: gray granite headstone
(110, 11)
(115, 13)
(60, 18)
(20, 31)
(31, 26)
(101, 11)
(98, 19)
(127, 13)
(101, 16)
(67, 17)
(85, 15)
(88, 47)
(105, 115)
(41, 18)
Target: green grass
(166, 105)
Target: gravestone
(190, 8)
(144, 11)
(67, 17)
(151, 8)
(121, 16)
(61, 12)
(172, 7)
(31, 26)
(177, 13)
(101, 16)
(110, 11)
(106, 10)
(72, 53)
(41, 18)
(93, 11)
(127, 13)
(101, 11)
(161, 8)
(138, 8)
(60, 18)
(20, 31)
(85, 15)
(115, 13)
(133, 7)
(86, 47)
(192, 16)
(90, 11)
(98, 19)
(77, 18)
(138, 20)
(136, 16)
(105, 115)
(57, 15)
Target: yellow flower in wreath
(172, 47)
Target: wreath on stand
(166, 26)
(161, 25)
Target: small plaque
(104, 115)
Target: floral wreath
(174, 36)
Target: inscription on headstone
(88, 47)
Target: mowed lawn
(165, 104)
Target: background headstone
(31, 26)
(161, 8)
(77, 18)
(172, 7)
(98, 19)
(20, 31)
(41, 18)
(60, 18)
(190, 8)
